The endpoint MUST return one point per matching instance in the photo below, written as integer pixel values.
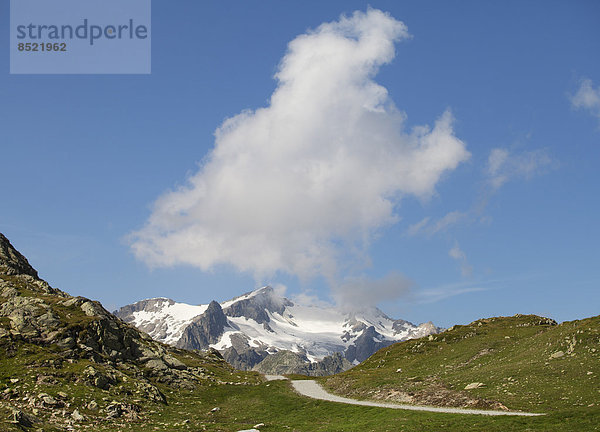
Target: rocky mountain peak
(204, 329)
(250, 328)
(256, 305)
(148, 305)
(12, 262)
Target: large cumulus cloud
(301, 186)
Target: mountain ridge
(254, 325)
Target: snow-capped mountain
(248, 328)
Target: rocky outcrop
(287, 362)
(205, 329)
(244, 359)
(12, 262)
(332, 364)
(66, 331)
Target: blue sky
(509, 225)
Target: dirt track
(314, 390)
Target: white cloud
(456, 253)
(358, 293)
(428, 227)
(433, 295)
(301, 185)
(503, 165)
(587, 98)
(418, 227)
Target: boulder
(76, 415)
(174, 363)
(474, 385)
(22, 419)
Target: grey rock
(204, 329)
(101, 380)
(91, 308)
(157, 364)
(67, 343)
(246, 358)
(8, 291)
(151, 392)
(287, 362)
(173, 362)
(49, 401)
(76, 415)
(12, 262)
(23, 419)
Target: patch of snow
(246, 296)
(170, 320)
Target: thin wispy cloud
(587, 98)
(457, 254)
(429, 227)
(504, 165)
(302, 185)
(433, 295)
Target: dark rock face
(12, 262)
(365, 345)
(205, 329)
(400, 324)
(241, 355)
(245, 359)
(333, 364)
(287, 362)
(256, 307)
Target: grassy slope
(274, 404)
(282, 410)
(511, 356)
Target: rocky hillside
(66, 362)
(250, 328)
(287, 362)
(523, 362)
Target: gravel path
(314, 390)
(275, 377)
